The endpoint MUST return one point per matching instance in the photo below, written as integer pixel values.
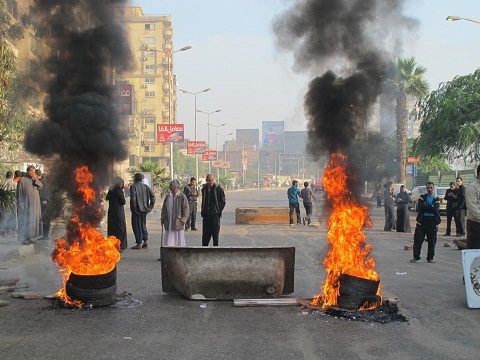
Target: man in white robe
(175, 212)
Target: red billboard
(196, 147)
(169, 133)
(123, 96)
(209, 155)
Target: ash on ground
(384, 314)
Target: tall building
(152, 84)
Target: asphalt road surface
(160, 326)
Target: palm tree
(406, 79)
(159, 178)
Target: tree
(160, 180)
(405, 79)
(450, 120)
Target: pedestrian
(17, 175)
(191, 192)
(388, 203)
(451, 199)
(116, 224)
(8, 224)
(472, 196)
(293, 193)
(427, 222)
(28, 208)
(307, 195)
(213, 203)
(46, 206)
(175, 212)
(461, 212)
(142, 201)
(403, 213)
(379, 197)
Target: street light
(170, 86)
(195, 95)
(208, 121)
(456, 18)
(216, 147)
(225, 148)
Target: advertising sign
(169, 133)
(123, 96)
(221, 164)
(196, 147)
(273, 135)
(209, 155)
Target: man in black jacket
(213, 203)
(427, 220)
(191, 192)
(461, 208)
(142, 201)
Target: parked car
(438, 191)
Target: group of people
(400, 222)
(178, 212)
(30, 216)
(307, 195)
(456, 207)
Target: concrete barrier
(226, 273)
(261, 215)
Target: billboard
(209, 155)
(221, 164)
(169, 133)
(196, 147)
(122, 96)
(273, 135)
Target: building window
(148, 121)
(149, 80)
(149, 40)
(149, 148)
(149, 134)
(149, 53)
(149, 26)
(149, 94)
(150, 67)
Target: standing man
(451, 198)
(174, 216)
(213, 203)
(461, 208)
(191, 192)
(388, 203)
(427, 224)
(293, 193)
(307, 195)
(472, 196)
(28, 208)
(142, 201)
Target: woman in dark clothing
(116, 213)
(403, 217)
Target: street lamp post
(456, 18)
(195, 96)
(208, 129)
(170, 89)
(224, 150)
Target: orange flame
(90, 253)
(348, 252)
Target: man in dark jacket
(142, 201)
(213, 203)
(427, 220)
(191, 192)
(461, 208)
(451, 198)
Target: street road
(431, 296)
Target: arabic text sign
(196, 147)
(209, 155)
(169, 133)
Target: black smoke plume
(352, 40)
(82, 126)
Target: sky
(234, 53)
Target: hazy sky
(235, 54)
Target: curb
(22, 250)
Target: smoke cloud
(82, 126)
(350, 41)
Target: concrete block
(262, 215)
(227, 273)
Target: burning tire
(355, 302)
(355, 286)
(94, 297)
(94, 281)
